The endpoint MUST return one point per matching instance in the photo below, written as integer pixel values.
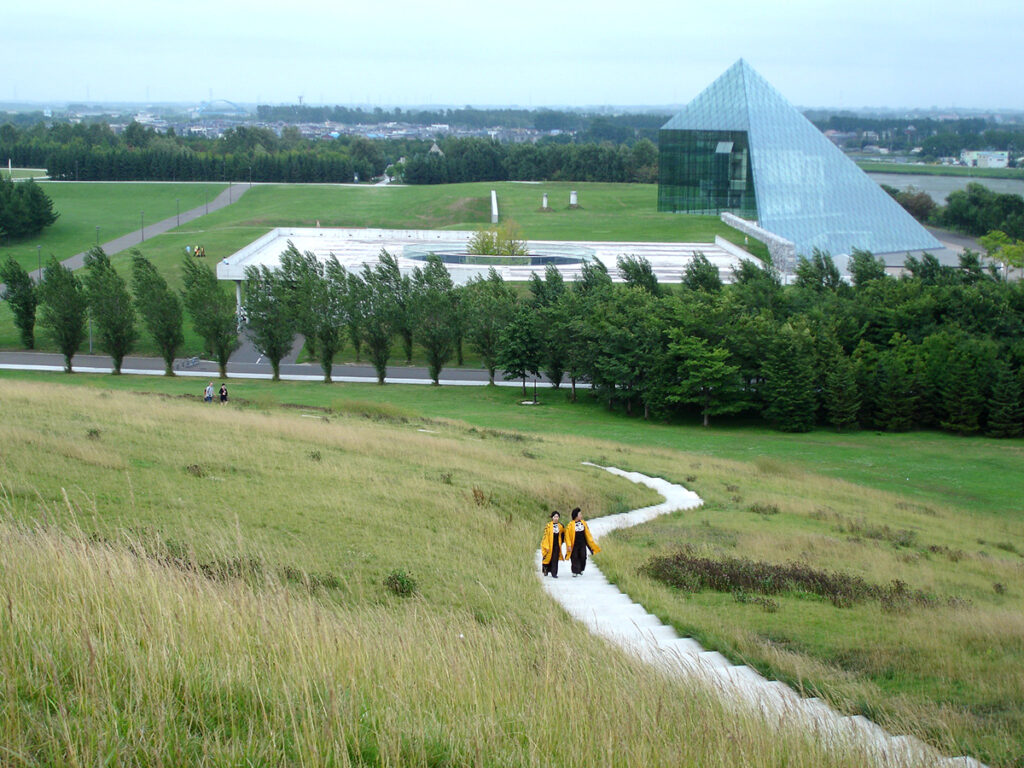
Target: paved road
(257, 369)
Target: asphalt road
(257, 369)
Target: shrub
(400, 583)
(688, 572)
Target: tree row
(938, 348)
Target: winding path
(607, 612)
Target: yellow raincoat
(546, 545)
(570, 536)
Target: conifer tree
(963, 391)
(1006, 405)
(789, 382)
(842, 399)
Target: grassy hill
(290, 507)
(187, 583)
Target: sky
(869, 53)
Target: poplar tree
(110, 305)
(269, 323)
(489, 305)
(20, 292)
(214, 317)
(160, 309)
(434, 314)
(63, 308)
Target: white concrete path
(607, 612)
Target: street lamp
(142, 224)
(177, 208)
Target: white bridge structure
(355, 247)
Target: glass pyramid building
(740, 147)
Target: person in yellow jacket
(577, 541)
(551, 546)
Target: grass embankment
(626, 212)
(941, 170)
(940, 513)
(189, 583)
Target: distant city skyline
(873, 54)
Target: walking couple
(577, 540)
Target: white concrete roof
(355, 247)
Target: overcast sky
(558, 52)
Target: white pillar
(573, 200)
(238, 297)
(544, 205)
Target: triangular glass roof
(807, 190)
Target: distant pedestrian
(577, 541)
(223, 393)
(551, 546)
(202, 251)
(196, 251)
(208, 395)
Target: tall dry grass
(109, 658)
(952, 674)
(152, 614)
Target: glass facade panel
(803, 187)
(705, 172)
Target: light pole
(142, 224)
(177, 209)
(207, 202)
(250, 175)
(229, 191)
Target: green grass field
(625, 212)
(941, 170)
(114, 207)
(196, 584)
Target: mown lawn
(113, 207)
(626, 212)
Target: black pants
(578, 557)
(551, 567)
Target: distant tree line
(936, 138)
(95, 153)
(25, 209)
(940, 348)
(482, 160)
